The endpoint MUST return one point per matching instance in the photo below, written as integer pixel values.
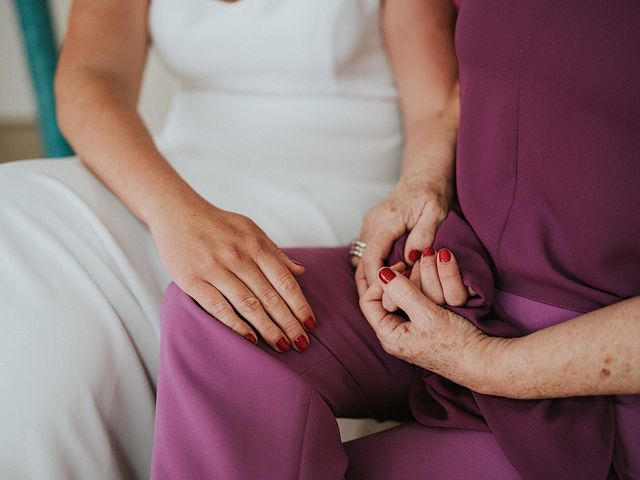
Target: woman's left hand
(418, 205)
(435, 338)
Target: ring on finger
(357, 248)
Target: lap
(345, 363)
(206, 369)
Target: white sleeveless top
(292, 92)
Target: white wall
(16, 97)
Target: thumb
(421, 236)
(376, 253)
(405, 294)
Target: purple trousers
(227, 409)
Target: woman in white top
(286, 131)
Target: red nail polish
(309, 324)
(444, 255)
(297, 263)
(429, 252)
(414, 256)
(301, 343)
(386, 274)
(252, 338)
(407, 273)
(283, 345)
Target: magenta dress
(548, 181)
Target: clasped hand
(434, 338)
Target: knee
(185, 325)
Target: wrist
(486, 362)
(420, 179)
(181, 202)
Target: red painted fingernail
(301, 343)
(252, 338)
(386, 274)
(309, 323)
(444, 255)
(414, 256)
(297, 263)
(407, 273)
(283, 345)
(429, 252)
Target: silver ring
(357, 248)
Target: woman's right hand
(226, 263)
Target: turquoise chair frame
(42, 56)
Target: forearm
(419, 40)
(429, 152)
(99, 118)
(594, 354)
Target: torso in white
(287, 114)
(286, 100)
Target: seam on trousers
(304, 432)
(357, 385)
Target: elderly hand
(434, 338)
(417, 205)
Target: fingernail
(407, 273)
(386, 274)
(296, 262)
(414, 256)
(252, 338)
(283, 345)
(444, 255)
(429, 252)
(301, 343)
(309, 323)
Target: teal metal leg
(40, 45)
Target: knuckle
(230, 253)
(386, 344)
(218, 309)
(448, 274)
(404, 296)
(301, 310)
(271, 333)
(428, 268)
(237, 326)
(291, 327)
(286, 284)
(362, 303)
(434, 212)
(457, 299)
(249, 303)
(243, 220)
(271, 299)
(438, 299)
(256, 243)
(209, 263)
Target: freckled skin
(604, 373)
